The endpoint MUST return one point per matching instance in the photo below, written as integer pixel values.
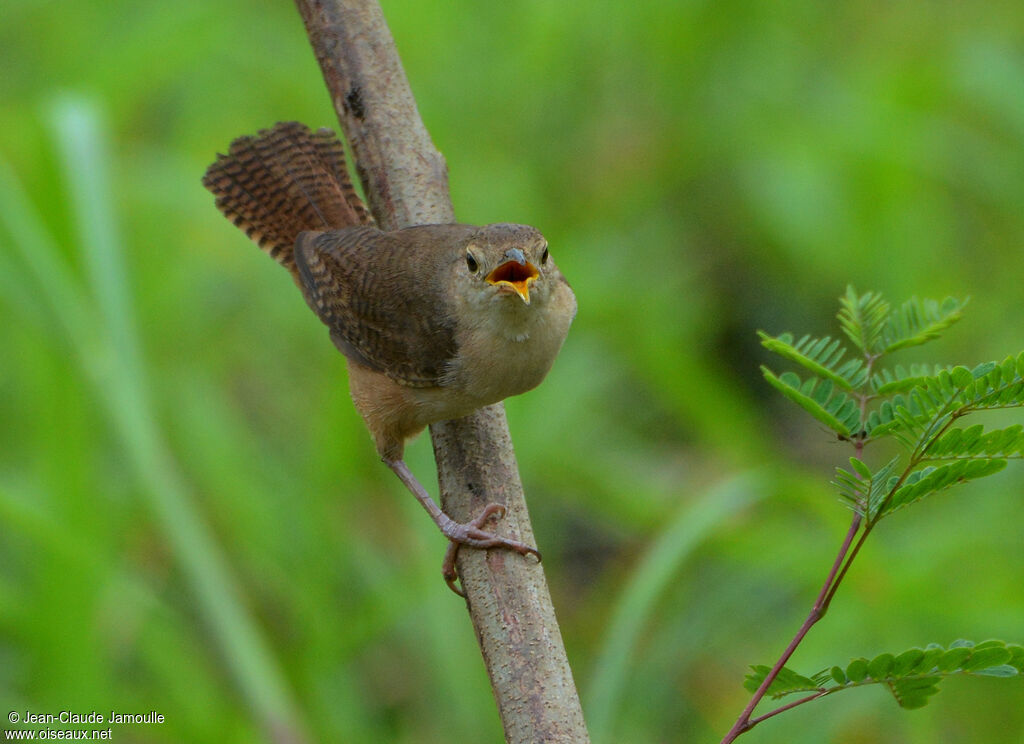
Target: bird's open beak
(516, 273)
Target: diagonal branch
(406, 183)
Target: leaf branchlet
(857, 395)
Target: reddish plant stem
(821, 604)
(849, 560)
(784, 708)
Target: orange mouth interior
(516, 275)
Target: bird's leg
(458, 533)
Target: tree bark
(406, 183)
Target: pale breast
(506, 354)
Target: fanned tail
(284, 181)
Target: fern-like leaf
(785, 683)
(995, 385)
(973, 443)
(922, 421)
(822, 357)
(866, 491)
(820, 399)
(918, 321)
(863, 319)
(925, 409)
(912, 676)
(907, 417)
(900, 379)
(929, 480)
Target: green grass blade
(29, 239)
(85, 163)
(694, 521)
(123, 388)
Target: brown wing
(383, 296)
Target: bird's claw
(472, 535)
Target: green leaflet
(912, 676)
(865, 490)
(929, 480)
(863, 318)
(919, 414)
(822, 357)
(819, 398)
(989, 385)
(973, 443)
(901, 379)
(996, 385)
(875, 329)
(913, 692)
(918, 321)
(785, 683)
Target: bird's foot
(472, 535)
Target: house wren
(435, 321)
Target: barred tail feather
(284, 181)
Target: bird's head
(511, 262)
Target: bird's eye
(471, 263)
(544, 256)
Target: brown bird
(435, 321)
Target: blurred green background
(192, 517)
